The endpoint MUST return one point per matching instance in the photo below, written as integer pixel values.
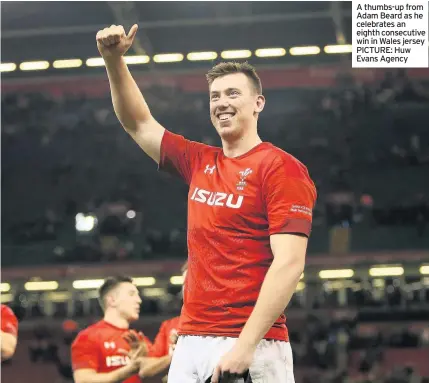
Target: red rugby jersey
(234, 205)
(101, 347)
(161, 345)
(9, 322)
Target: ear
(260, 103)
(110, 300)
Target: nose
(224, 102)
(221, 106)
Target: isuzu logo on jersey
(117, 360)
(217, 198)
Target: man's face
(126, 299)
(234, 105)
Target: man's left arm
(279, 285)
(289, 196)
(277, 289)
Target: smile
(225, 116)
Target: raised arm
(128, 102)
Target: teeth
(224, 117)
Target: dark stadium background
(80, 201)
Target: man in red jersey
(249, 217)
(9, 333)
(101, 352)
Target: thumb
(142, 347)
(132, 32)
(216, 375)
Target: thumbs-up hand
(112, 42)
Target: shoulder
(277, 160)
(174, 138)
(88, 335)
(207, 149)
(6, 312)
(83, 336)
(9, 321)
(203, 155)
(173, 322)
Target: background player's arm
(128, 102)
(87, 375)
(279, 285)
(159, 347)
(153, 366)
(8, 345)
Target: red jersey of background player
(9, 322)
(101, 347)
(234, 205)
(162, 345)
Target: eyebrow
(227, 90)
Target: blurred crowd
(344, 349)
(65, 156)
(375, 299)
(347, 350)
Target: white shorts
(195, 358)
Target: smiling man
(100, 352)
(249, 217)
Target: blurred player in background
(100, 352)
(249, 217)
(9, 333)
(166, 339)
(108, 351)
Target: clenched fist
(112, 42)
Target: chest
(113, 351)
(225, 195)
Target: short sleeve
(9, 322)
(179, 155)
(160, 345)
(290, 196)
(84, 353)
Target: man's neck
(115, 319)
(242, 145)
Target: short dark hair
(231, 67)
(109, 284)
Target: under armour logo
(109, 345)
(209, 169)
